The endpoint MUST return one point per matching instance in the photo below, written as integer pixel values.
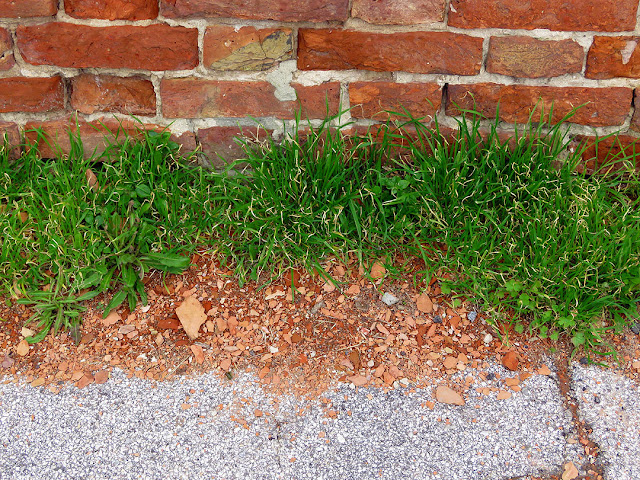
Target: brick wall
(205, 66)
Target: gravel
(610, 405)
(130, 428)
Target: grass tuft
(511, 223)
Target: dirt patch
(299, 335)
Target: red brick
(607, 153)
(28, 8)
(156, 47)
(10, 133)
(104, 93)
(247, 48)
(399, 12)
(372, 99)
(6, 50)
(220, 144)
(580, 15)
(112, 9)
(635, 120)
(95, 136)
(197, 98)
(22, 94)
(187, 141)
(611, 57)
(418, 52)
(282, 10)
(532, 58)
(604, 106)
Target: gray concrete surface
(610, 405)
(130, 429)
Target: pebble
(446, 395)
(635, 328)
(488, 338)
(437, 319)
(471, 316)
(389, 299)
(340, 438)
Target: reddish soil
(297, 343)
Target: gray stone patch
(130, 428)
(610, 404)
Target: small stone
(488, 338)
(38, 382)
(471, 316)
(503, 395)
(126, 329)
(584, 361)
(378, 271)
(450, 362)
(449, 396)
(636, 365)
(570, 471)
(26, 332)
(544, 370)
(198, 353)
(192, 315)
(635, 328)
(23, 348)
(510, 361)
(7, 362)
(424, 303)
(101, 377)
(437, 319)
(111, 319)
(273, 349)
(159, 339)
(86, 379)
(358, 380)
(389, 299)
(340, 438)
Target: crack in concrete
(593, 466)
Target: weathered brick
(604, 106)
(112, 9)
(29, 94)
(247, 48)
(532, 58)
(372, 99)
(105, 93)
(28, 8)
(198, 98)
(155, 47)
(611, 57)
(580, 15)
(606, 154)
(6, 50)
(10, 133)
(399, 12)
(282, 10)
(96, 136)
(417, 52)
(220, 144)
